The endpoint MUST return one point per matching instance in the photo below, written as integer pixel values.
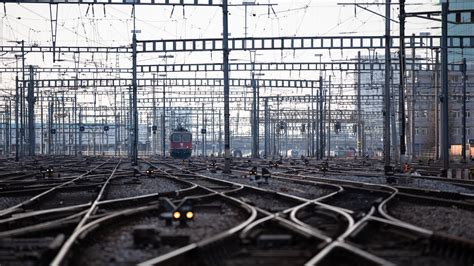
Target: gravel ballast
(307, 191)
(115, 244)
(410, 182)
(143, 185)
(448, 220)
(355, 200)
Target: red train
(181, 143)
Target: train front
(181, 145)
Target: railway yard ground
(163, 211)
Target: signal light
(150, 170)
(183, 212)
(253, 171)
(50, 171)
(176, 215)
(189, 215)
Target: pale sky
(111, 25)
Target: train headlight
(189, 215)
(176, 215)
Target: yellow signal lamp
(189, 215)
(176, 215)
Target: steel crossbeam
(294, 99)
(297, 43)
(294, 66)
(306, 99)
(122, 2)
(65, 49)
(235, 67)
(69, 70)
(145, 82)
(193, 82)
(216, 67)
(197, 109)
(262, 43)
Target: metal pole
(203, 134)
(267, 128)
(286, 139)
(274, 137)
(76, 128)
(69, 130)
(316, 134)
(401, 96)
(257, 124)
(197, 133)
(321, 122)
(444, 88)
(22, 101)
(436, 106)
(413, 101)
(386, 100)
(220, 133)
(329, 118)
(17, 128)
(134, 94)
(154, 125)
(41, 124)
(95, 121)
(130, 122)
(308, 133)
(57, 121)
(8, 128)
(75, 124)
(464, 81)
(277, 128)
(213, 130)
(80, 132)
(31, 113)
(50, 129)
(359, 109)
(63, 127)
(106, 133)
(312, 124)
(116, 122)
(120, 122)
(393, 106)
(254, 115)
(225, 47)
(163, 122)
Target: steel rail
(41, 195)
(70, 241)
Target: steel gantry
(378, 65)
(122, 2)
(298, 43)
(226, 45)
(260, 43)
(148, 82)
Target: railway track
(403, 246)
(293, 219)
(52, 214)
(130, 239)
(447, 217)
(357, 201)
(328, 222)
(306, 190)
